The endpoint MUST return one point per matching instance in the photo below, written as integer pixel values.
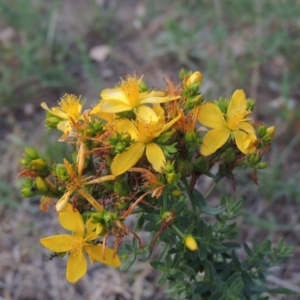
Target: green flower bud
(194, 101)
(52, 122)
(185, 168)
(121, 188)
(166, 215)
(39, 164)
(201, 165)
(191, 138)
(31, 153)
(228, 156)
(41, 184)
(143, 87)
(172, 177)
(24, 162)
(165, 137)
(262, 165)
(169, 168)
(176, 193)
(27, 192)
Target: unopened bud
(165, 137)
(262, 165)
(176, 193)
(195, 78)
(190, 243)
(192, 102)
(201, 165)
(121, 188)
(31, 153)
(39, 164)
(271, 131)
(41, 184)
(27, 192)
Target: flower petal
(58, 243)
(155, 156)
(171, 123)
(90, 199)
(127, 159)
(71, 219)
(76, 266)
(127, 126)
(64, 126)
(213, 140)
(210, 115)
(95, 252)
(62, 203)
(155, 97)
(244, 141)
(147, 114)
(238, 102)
(114, 106)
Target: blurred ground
(48, 48)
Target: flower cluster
(142, 151)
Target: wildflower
(150, 124)
(128, 96)
(78, 243)
(63, 116)
(233, 124)
(190, 243)
(77, 183)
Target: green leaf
(282, 291)
(128, 263)
(162, 279)
(203, 288)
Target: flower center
(237, 117)
(70, 105)
(78, 244)
(130, 88)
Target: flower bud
(193, 101)
(121, 188)
(228, 156)
(100, 229)
(195, 78)
(271, 131)
(165, 137)
(39, 164)
(185, 167)
(27, 192)
(166, 215)
(31, 153)
(172, 177)
(41, 184)
(176, 193)
(262, 165)
(201, 165)
(190, 243)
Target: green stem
(211, 189)
(182, 235)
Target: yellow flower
(234, 124)
(68, 111)
(127, 97)
(150, 123)
(190, 243)
(77, 182)
(78, 244)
